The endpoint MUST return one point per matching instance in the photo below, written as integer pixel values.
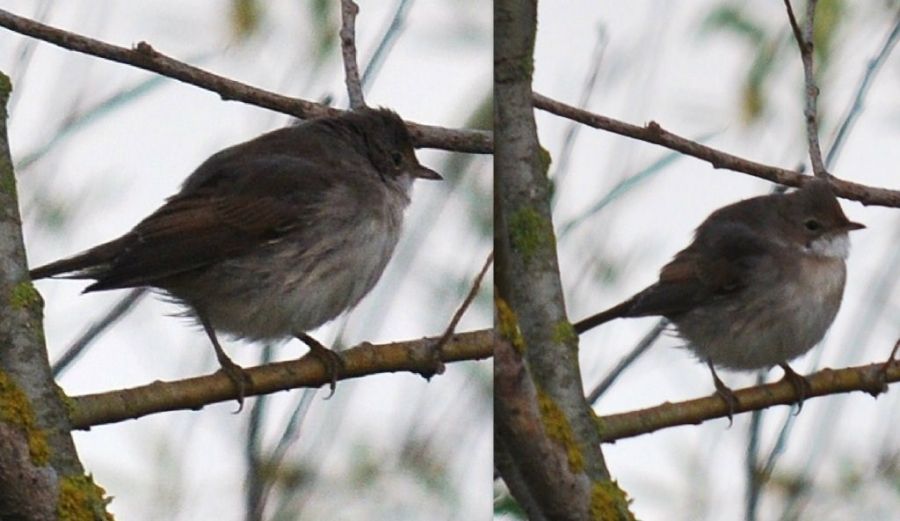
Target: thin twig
(145, 57)
(805, 43)
(257, 479)
(865, 83)
(448, 333)
(290, 435)
(385, 43)
(893, 358)
(751, 458)
(78, 346)
(629, 359)
(561, 160)
(654, 133)
(349, 10)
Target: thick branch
(547, 431)
(145, 57)
(872, 379)
(653, 133)
(539, 478)
(349, 10)
(195, 393)
(38, 460)
(805, 43)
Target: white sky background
(114, 171)
(656, 66)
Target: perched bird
(759, 285)
(273, 237)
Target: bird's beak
(423, 172)
(850, 226)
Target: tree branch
(865, 82)
(653, 133)
(145, 57)
(461, 310)
(872, 379)
(195, 393)
(76, 348)
(349, 10)
(541, 417)
(39, 466)
(805, 43)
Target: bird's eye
(397, 158)
(813, 225)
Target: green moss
(15, 409)
(80, 499)
(5, 89)
(599, 422)
(545, 158)
(529, 232)
(609, 502)
(7, 180)
(24, 296)
(67, 402)
(508, 324)
(525, 68)
(557, 426)
(564, 333)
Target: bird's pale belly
(763, 327)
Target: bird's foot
(333, 362)
(434, 363)
(234, 372)
(238, 376)
(725, 392)
(799, 383)
(730, 399)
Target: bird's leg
(725, 393)
(234, 372)
(332, 361)
(798, 382)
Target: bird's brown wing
(196, 229)
(720, 262)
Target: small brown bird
(273, 237)
(760, 284)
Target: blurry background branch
(146, 57)
(193, 393)
(654, 133)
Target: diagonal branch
(145, 57)
(865, 83)
(653, 133)
(457, 316)
(349, 10)
(196, 393)
(872, 379)
(805, 43)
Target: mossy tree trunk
(546, 440)
(41, 477)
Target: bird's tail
(617, 311)
(85, 265)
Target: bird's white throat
(836, 246)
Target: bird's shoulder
(722, 257)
